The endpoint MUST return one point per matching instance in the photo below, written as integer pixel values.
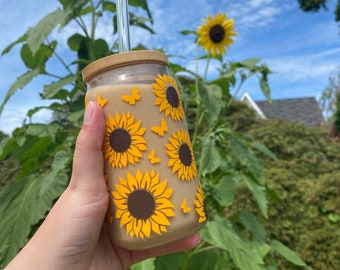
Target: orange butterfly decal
(152, 157)
(184, 207)
(160, 130)
(133, 98)
(101, 101)
(110, 218)
(86, 101)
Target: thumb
(88, 164)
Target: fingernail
(88, 113)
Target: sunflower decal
(199, 205)
(181, 157)
(216, 34)
(143, 204)
(123, 142)
(168, 97)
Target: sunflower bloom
(143, 204)
(168, 97)
(123, 142)
(199, 205)
(181, 157)
(216, 34)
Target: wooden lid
(122, 59)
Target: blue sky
(302, 49)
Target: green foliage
(227, 159)
(312, 5)
(315, 6)
(337, 114)
(303, 184)
(337, 12)
(330, 104)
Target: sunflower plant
(225, 159)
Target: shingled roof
(303, 110)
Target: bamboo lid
(122, 59)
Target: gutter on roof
(250, 101)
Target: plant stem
(196, 251)
(236, 92)
(60, 59)
(81, 23)
(199, 112)
(207, 67)
(186, 261)
(93, 28)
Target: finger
(182, 245)
(88, 164)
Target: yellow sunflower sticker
(216, 34)
(168, 97)
(123, 142)
(199, 205)
(181, 157)
(143, 204)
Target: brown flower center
(185, 154)
(172, 97)
(120, 140)
(141, 204)
(217, 33)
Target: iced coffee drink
(155, 194)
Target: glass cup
(155, 195)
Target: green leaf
(143, 4)
(188, 32)
(26, 202)
(39, 59)
(51, 90)
(19, 83)
(101, 48)
(211, 98)
(173, 261)
(259, 193)
(223, 83)
(246, 157)
(148, 264)
(264, 150)
(76, 118)
(175, 68)
(335, 218)
(10, 46)
(44, 130)
(31, 152)
(38, 34)
(140, 22)
(75, 41)
(210, 260)
(250, 63)
(265, 88)
(210, 156)
(251, 223)
(286, 252)
(109, 6)
(5, 146)
(226, 189)
(31, 112)
(20, 136)
(221, 235)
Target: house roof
(303, 110)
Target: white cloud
(307, 66)
(259, 3)
(256, 13)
